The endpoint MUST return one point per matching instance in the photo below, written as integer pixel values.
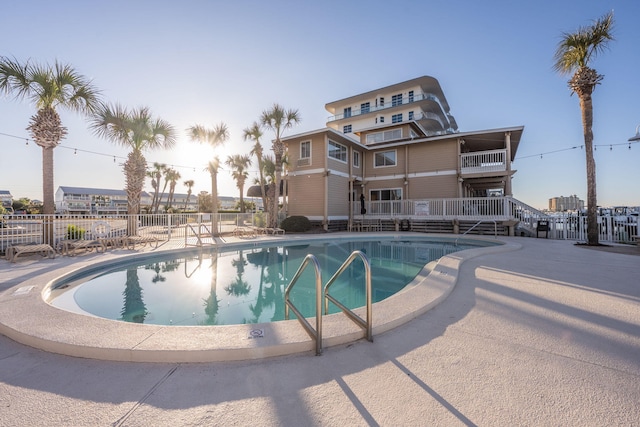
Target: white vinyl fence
(53, 229)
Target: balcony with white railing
(418, 97)
(483, 161)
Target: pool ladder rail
(208, 234)
(316, 334)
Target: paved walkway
(545, 335)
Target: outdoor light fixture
(637, 137)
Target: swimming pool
(244, 284)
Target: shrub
(259, 219)
(296, 224)
(74, 232)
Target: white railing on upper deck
(483, 161)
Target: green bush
(74, 232)
(259, 219)
(296, 224)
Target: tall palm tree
(166, 173)
(239, 163)
(48, 88)
(173, 176)
(139, 131)
(255, 133)
(278, 120)
(212, 168)
(156, 177)
(214, 137)
(189, 184)
(573, 56)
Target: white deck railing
(472, 208)
(483, 161)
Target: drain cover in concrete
(256, 333)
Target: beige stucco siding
(306, 195)
(317, 153)
(433, 187)
(338, 195)
(433, 156)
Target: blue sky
(203, 62)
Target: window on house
(385, 194)
(347, 112)
(387, 135)
(305, 149)
(356, 159)
(410, 96)
(396, 100)
(410, 115)
(396, 118)
(382, 101)
(346, 129)
(365, 108)
(381, 119)
(337, 151)
(384, 158)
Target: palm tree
(573, 56)
(172, 176)
(255, 133)
(166, 172)
(239, 164)
(278, 120)
(214, 137)
(137, 130)
(212, 168)
(156, 178)
(189, 184)
(48, 87)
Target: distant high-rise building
(564, 204)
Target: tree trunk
(276, 197)
(586, 107)
(48, 202)
(135, 168)
(214, 204)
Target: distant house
(393, 144)
(94, 201)
(178, 202)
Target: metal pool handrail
(197, 233)
(316, 333)
(495, 229)
(364, 324)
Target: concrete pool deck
(546, 333)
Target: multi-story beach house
(94, 201)
(396, 155)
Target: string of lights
(540, 155)
(595, 148)
(113, 156)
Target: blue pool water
(242, 285)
